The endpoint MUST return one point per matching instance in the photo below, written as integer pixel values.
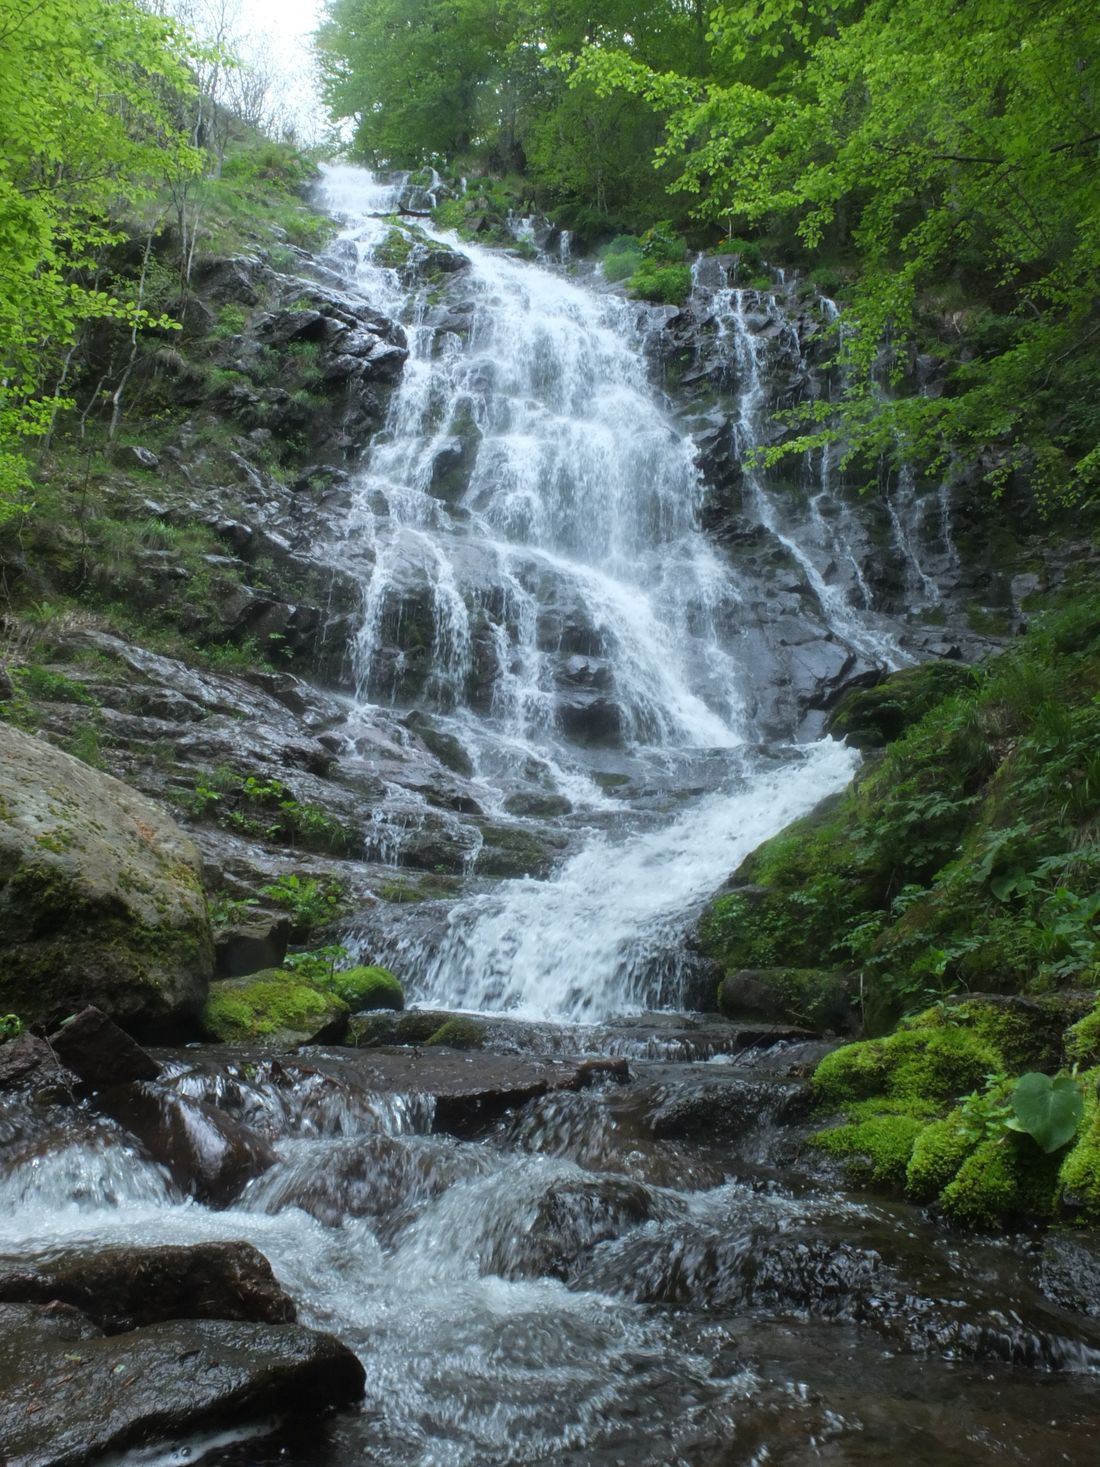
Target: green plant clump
(363, 989)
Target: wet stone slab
(470, 1090)
(68, 1394)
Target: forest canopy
(942, 157)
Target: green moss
(1079, 1174)
(923, 1064)
(414, 1026)
(938, 1153)
(366, 988)
(878, 1139)
(460, 1034)
(1083, 1039)
(985, 1191)
(271, 1004)
(871, 718)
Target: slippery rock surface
(209, 1154)
(68, 1395)
(122, 1289)
(100, 896)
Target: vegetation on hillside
(941, 159)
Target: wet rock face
(120, 1289)
(154, 1383)
(100, 1052)
(100, 896)
(209, 1155)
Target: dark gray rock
(209, 1155)
(68, 1396)
(95, 1048)
(123, 1288)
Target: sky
(285, 27)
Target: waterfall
(527, 533)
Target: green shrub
(668, 285)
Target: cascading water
(528, 534)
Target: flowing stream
(648, 1274)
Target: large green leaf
(1047, 1110)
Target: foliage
(319, 965)
(483, 83)
(263, 806)
(310, 900)
(11, 1026)
(1048, 1110)
(88, 126)
(931, 141)
(962, 857)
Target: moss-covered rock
(1079, 1174)
(101, 898)
(871, 718)
(922, 1064)
(363, 989)
(460, 1033)
(414, 1026)
(1083, 1039)
(938, 1152)
(877, 1141)
(925, 1111)
(275, 1007)
(811, 996)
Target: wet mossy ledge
(962, 858)
(945, 905)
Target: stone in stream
(101, 897)
(123, 1288)
(102, 1054)
(470, 1089)
(210, 1155)
(28, 1062)
(69, 1395)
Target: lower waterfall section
(605, 935)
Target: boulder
(276, 1007)
(69, 1395)
(259, 941)
(100, 1053)
(123, 1288)
(818, 997)
(101, 897)
(210, 1155)
(29, 1062)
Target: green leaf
(1049, 1111)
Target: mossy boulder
(924, 1111)
(101, 898)
(459, 1033)
(363, 989)
(815, 997)
(872, 717)
(414, 1026)
(275, 1007)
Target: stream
(653, 1273)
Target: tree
(934, 141)
(86, 127)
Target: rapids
(648, 1274)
